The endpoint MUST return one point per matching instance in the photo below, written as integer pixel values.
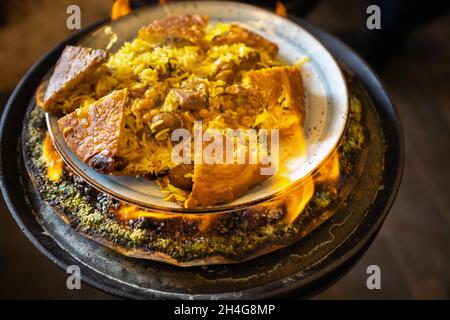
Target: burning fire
(330, 170)
(299, 197)
(128, 212)
(296, 199)
(280, 9)
(52, 160)
(120, 8)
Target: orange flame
(299, 197)
(52, 160)
(329, 172)
(296, 199)
(280, 9)
(128, 212)
(39, 94)
(120, 8)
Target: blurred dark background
(411, 53)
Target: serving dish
(278, 212)
(326, 100)
(304, 267)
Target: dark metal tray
(300, 270)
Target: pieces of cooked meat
(184, 100)
(94, 132)
(239, 34)
(186, 28)
(72, 67)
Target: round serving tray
(301, 269)
(326, 102)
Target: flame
(131, 212)
(295, 200)
(40, 91)
(280, 9)
(299, 197)
(120, 8)
(329, 172)
(52, 160)
(128, 212)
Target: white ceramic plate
(326, 96)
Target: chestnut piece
(177, 176)
(102, 164)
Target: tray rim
(382, 204)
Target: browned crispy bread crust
(221, 183)
(238, 34)
(285, 82)
(73, 65)
(190, 28)
(94, 132)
